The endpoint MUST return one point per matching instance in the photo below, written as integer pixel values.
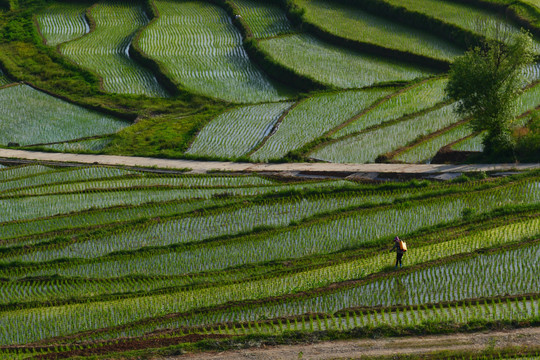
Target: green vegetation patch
(469, 17)
(426, 150)
(90, 145)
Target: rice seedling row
(356, 269)
(63, 22)
(25, 208)
(426, 150)
(193, 229)
(91, 145)
(522, 309)
(264, 19)
(366, 147)
(473, 143)
(30, 325)
(475, 19)
(350, 22)
(25, 232)
(236, 132)
(530, 99)
(106, 50)
(202, 51)
(31, 117)
(324, 236)
(15, 172)
(141, 181)
(23, 229)
(416, 288)
(313, 117)
(418, 98)
(71, 175)
(335, 66)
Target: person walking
(400, 250)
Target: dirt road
(357, 349)
(206, 166)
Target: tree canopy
(486, 83)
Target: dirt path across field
(323, 169)
(358, 349)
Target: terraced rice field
(313, 117)
(426, 150)
(264, 19)
(410, 101)
(352, 23)
(31, 117)
(473, 143)
(472, 18)
(105, 50)
(237, 132)
(91, 145)
(366, 147)
(109, 262)
(63, 22)
(311, 254)
(336, 66)
(202, 51)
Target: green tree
(486, 83)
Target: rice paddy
(105, 50)
(63, 22)
(336, 66)
(122, 262)
(31, 117)
(202, 51)
(150, 264)
(350, 22)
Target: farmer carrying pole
(400, 247)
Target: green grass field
(426, 150)
(410, 101)
(105, 50)
(90, 145)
